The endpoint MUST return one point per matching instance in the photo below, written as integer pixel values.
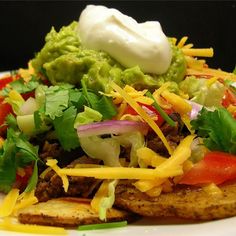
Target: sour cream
(129, 42)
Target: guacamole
(64, 59)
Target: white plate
(156, 227)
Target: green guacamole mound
(63, 59)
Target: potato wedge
(68, 212)
(185, 202)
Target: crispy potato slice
(68, 212)
(185, 202)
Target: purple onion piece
(111, 127)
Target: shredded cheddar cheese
(8, 224)
(198, 52)
(9, 202)
(146, 185)
(211, 72)
(27, 199)
(173, 166)
(182, 42)
(147, 157)
(155, 191)
(178, 103)
(53, 164)
(143, 114)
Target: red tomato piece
(229, 98)
(5, 109)
(22, 181)
(4, 81)
(216, 167)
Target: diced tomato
(5, 109)
(4, 81)
(22, 181)
(216, 167)
(229, 98)
(28, 95)
(150, 110)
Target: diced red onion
(111, 127)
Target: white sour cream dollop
(129, 42)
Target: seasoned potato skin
(185, 202)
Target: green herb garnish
(103, 226)
(159, 109)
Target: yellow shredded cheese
(146, 185)
(100, 194)
(147, 157)
(111, 173)
(26, 74)
(155, 191)
(43, 174)
(182, 42)
(178, 103)
(211, 72)
(14, 95)
(211, 81)
(190, 45)
(27, 199)
(8, 204)
(173, 166)
(143, 114)
(53, 164)
(7, 224)
(198, 52)
(194, 63)
(186, 120)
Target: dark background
(24, 24)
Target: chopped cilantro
(218, 129)
(64, 129)
(56, 100)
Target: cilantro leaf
(33, 179)
(56, 100)
(101, 104)
(17, 152)
(7, 166)
(77, 99)
(21, 86)
(105, 106)
(64, 129)
(217, 128)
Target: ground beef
(51, 185)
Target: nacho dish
(111, 121)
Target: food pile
(113, 120)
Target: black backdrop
(23, 25)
